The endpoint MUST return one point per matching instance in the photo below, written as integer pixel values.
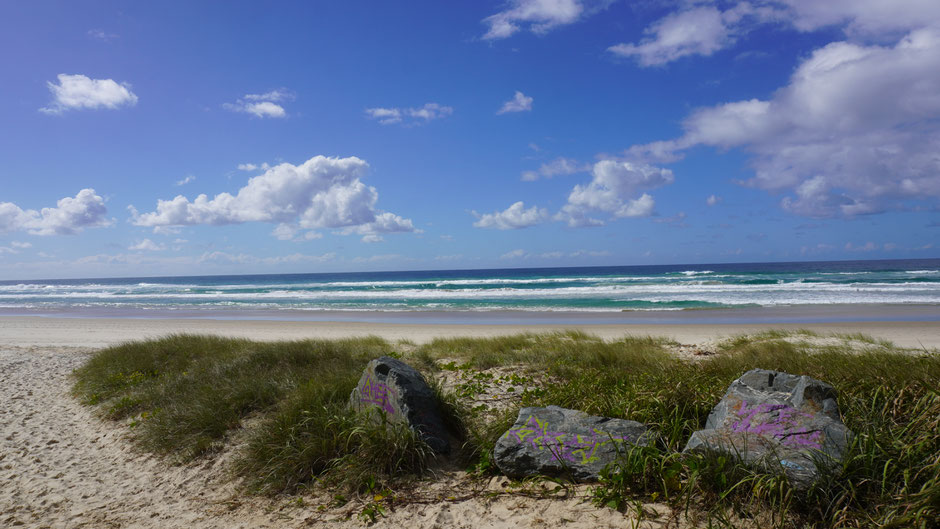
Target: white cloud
(262, 109)
(319, 193)
(522, 254)
(409, 116)
(856, 130)
(862, 17)
(262, 105)
(253, 167)
(519, 103)
(384, 223)
(102, 35)
(15, 247)
(287, 232)
(147, 245)
(381, 258)
(514, 217)
(225, 258)
(514, 254)
(611, 189)
(539, 16)
(281, 94)
(701, 28)
(867, 247)
(699, 31)
(188, 179)
(677, 220)
(712, 200)
(71, 215)
(79, 92)
(556, 167)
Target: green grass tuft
(184, 395)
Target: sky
(226, 137)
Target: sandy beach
(46, 331)
(62, 467)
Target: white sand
(101, 332)
(62, 467)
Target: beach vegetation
(285, 406)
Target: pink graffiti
(373, 392)
(778, 421)
(574, 448)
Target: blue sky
(265, 137)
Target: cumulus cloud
(15, 247)
(253, 167)
(698, 31)
(539, 16)
(286, 232)
(556, 167)
(409, 116)
(184, 181)
(702, 28)
(514, 217)
(319, 193)
(861, 18)
(856, 130)
(81, 92)
(519, 103)
(612, 190)
(262, 105)
(712, 200)
(384, 223)
(70, 216)
(146, 245)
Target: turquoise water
(592, 289)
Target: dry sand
(62, 467)
(102, 332)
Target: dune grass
(185, 395)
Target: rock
(556, 441)
(402, 393)
(777, 421)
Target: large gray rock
(556, 441)
(777, 421)
(404, 396)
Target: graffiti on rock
(373, 392)
(778, 421)
(572, 448)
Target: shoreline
(54, 331)
(818, 313)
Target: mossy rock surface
(399, 392)
(556, 441)
(778, 421)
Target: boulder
(402, 394)
(777, 421)
(559, 441)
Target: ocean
(619, 289)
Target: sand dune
(63, 467)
